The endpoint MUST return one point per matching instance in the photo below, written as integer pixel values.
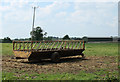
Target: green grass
(101, 49)
(92, 49)
(64, 76)
(0, 48)
(7, 49)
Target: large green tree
(7, 40)
(85, 38)
(66, 37)
(37, 34)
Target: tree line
(38, 34)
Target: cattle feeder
(37, 50)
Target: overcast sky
(75, 18)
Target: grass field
(92, 49)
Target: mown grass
(101, 49)
(7, 49)
(99, 75)
(92, 49)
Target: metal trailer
(54, 50)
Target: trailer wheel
(83, 56)
(55, 57)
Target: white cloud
(61, 14)
(18, 15)
(58, 14)
(4, 8)
(113, 23)
(80, 16)
(66, 0)
(0, 25)
(51, 9)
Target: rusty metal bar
(61, 45)
(57, 45)
(53, 45)
(79, 45)
(13, 45)
(39, 45)
(31, 45)
(68, 44)
(83, 45)
(19, 46)
(48, 41)
(46, 46)
(23, 45)
(65, 45)
(49, 45)
(34, 45)
(16, 45)
(76, 45)
(27, 46)
(72, 45)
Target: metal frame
(48, 45)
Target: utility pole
(33, 22)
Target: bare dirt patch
(72, 64)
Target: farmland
(101, 63)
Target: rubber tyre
(83, 56)
(55, 57)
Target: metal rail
(48, 45)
